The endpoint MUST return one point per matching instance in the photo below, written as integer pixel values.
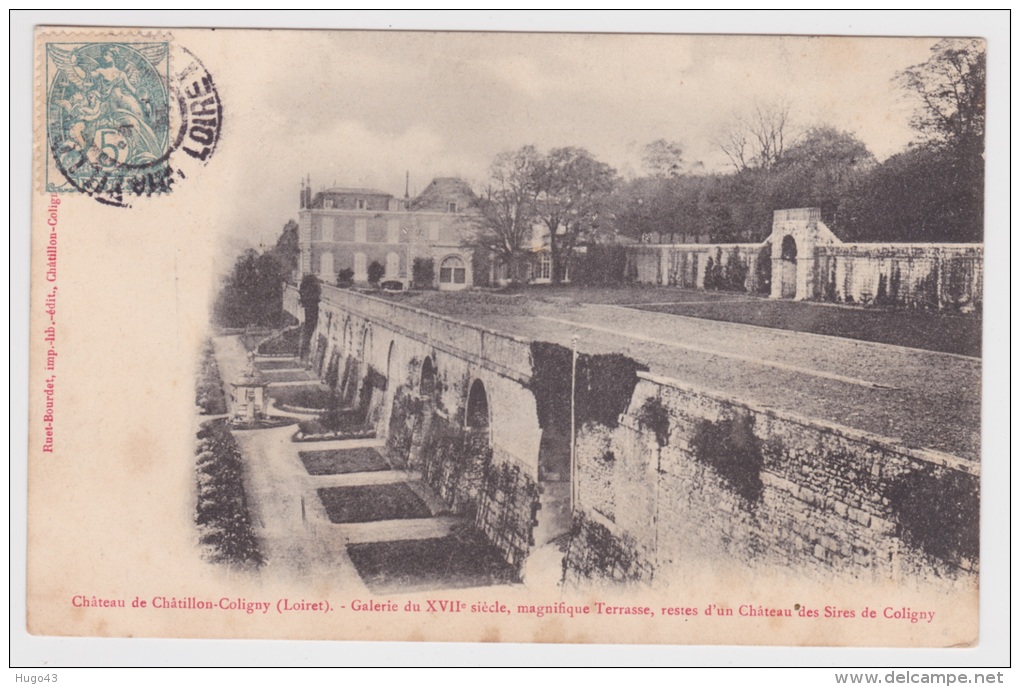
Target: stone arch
(366, 344)
(788, 267)
(477, 414)
(427, 379)
(348, 340)
(389, 364)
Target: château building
(350, 228)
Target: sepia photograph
(507, 336)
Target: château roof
(352, 191)
(443, 190)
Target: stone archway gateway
(796, 233)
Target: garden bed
(277, 376)
(288, 342)
(373, 502)
(281, 363)
(270, 422)
(461, 559)
(312, 396)
(343, 461)
(313, 430)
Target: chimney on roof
(407, 184)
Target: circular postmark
(127, 118)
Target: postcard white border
(993, 648)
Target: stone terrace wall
(779, 492)
(935, 276)
(488, 475)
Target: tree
(664, 159)
(757, 140)
(253, 293)
(950, 94)
(309, 294)
(286, 251)
(572, 188)
(921, 194)
(818, 171)
(507, 208)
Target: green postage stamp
(118, 111)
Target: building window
(451, 206)
(392, 266)
(360, 230)
(544, 266)
(433, 231)
(452, 271)
(360, 267)
(392, 231)
(316, 231)
(326, 268)
(327, 203)
(360, 203)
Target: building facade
(350, 228)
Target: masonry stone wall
(933, 276)
(819, 498)
(488, 474)
(815, 265)
(731, 267)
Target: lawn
(915, 329)
(373, 502)
(947, 333)
(461, 559)
(343, 461)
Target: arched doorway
(788, 263)
(477, 415)
(427, 382)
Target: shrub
(221, 510)
(209, 396)
(345, 278)
(601, 264)
(423, 273)
(375, 272)
(392, 285)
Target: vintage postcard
(506, 337)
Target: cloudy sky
(363, 108)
